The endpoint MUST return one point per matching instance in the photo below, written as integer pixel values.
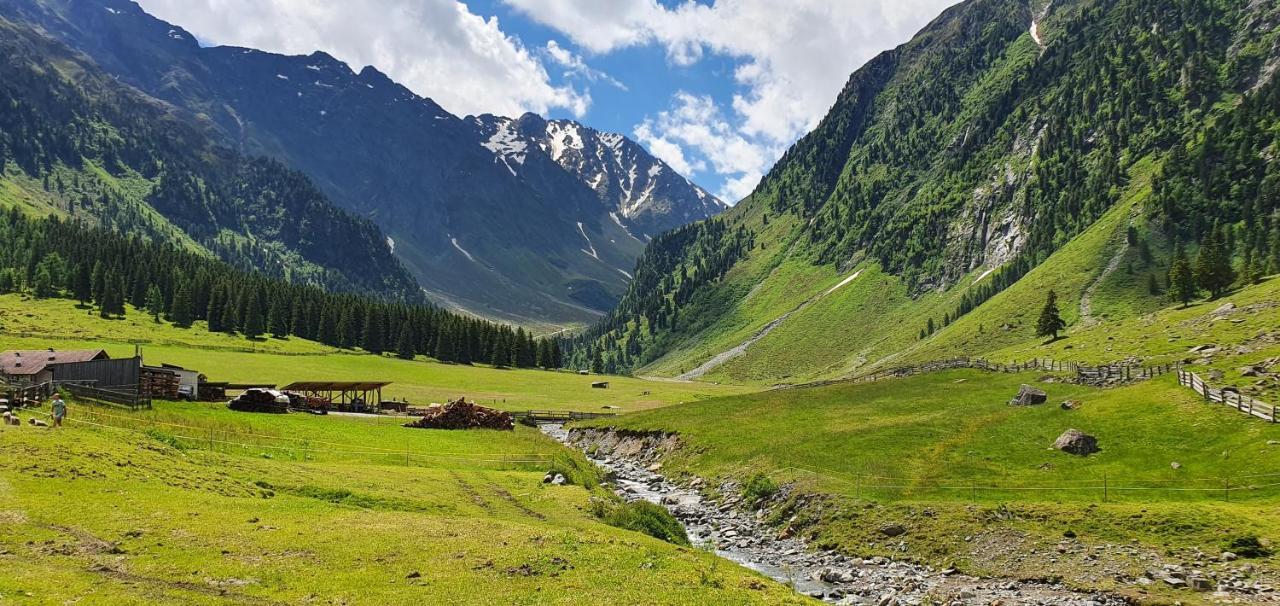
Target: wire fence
(1101, 489)
(224, 438)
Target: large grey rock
(1029, 396)
(1076, 442)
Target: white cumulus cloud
(574, 66)
(437, 48)
(794, 57)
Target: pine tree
(1050, 322)
(155, 302)
(254, 323)
(1182, 282)
(278, 317)
(1213, 271)
(213, 314)
(82, 284)
(404, 342)
(98, 282)
(43, 283)
(597, 362)
(180, 309)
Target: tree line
(109, 272)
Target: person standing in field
(59, 409)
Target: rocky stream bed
(741, 536)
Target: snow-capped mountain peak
(634, 186)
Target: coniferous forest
(105, 270)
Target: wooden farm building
(33, 366)
(344, 396)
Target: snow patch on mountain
(462, 250)
(591, 252)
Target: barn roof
(335, 385)
(22, 362)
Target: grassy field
(103, 515)
(38, 324)
(945, 455)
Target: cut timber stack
(461, 414)
(159, 384)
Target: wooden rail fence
(1234, 399)
(1103, 373)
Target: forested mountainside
(75, 143)
(98, 266)
(950, 167)
(549, 241)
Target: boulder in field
(1029, 396)
(1076, 442)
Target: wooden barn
(35, 366)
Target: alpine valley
(527, 221)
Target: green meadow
(38, 324)
(100, 514)
(974, 479)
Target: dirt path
(741, 348)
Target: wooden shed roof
(335, 385)
(21, 362)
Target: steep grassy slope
(952, 166)
(975, 484)
(108, 516)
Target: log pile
(158, 384)
(461, 414)
(260, 400)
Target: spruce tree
(155, 302)
(278, 317)
(254, 323)
(43, 284)
(404, 342)
(82, 285)
(1050, 322)
(213, 314)
(1182, 282)
(180, 310)
(1213, 270)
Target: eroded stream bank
(631, 459)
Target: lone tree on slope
(1050, 322)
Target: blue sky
(717, 88)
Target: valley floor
(973, 482)
(95, 514)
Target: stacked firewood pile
(461, 414)
(260, 400)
